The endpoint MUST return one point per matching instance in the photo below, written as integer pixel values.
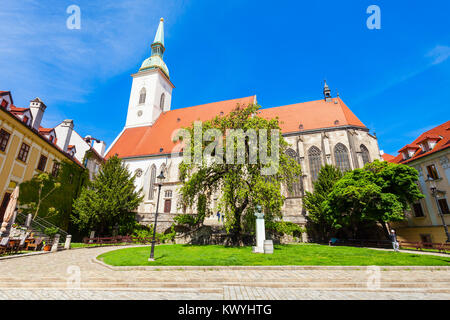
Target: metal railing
(39, 225)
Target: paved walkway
(73, 275)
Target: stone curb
(36, 253)
(213, 268)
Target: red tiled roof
(387, 157)
(409, 146)
(45, 130)
(312, 115)
(442, 130)
(149, 140)
(53, 144)
(14, 109)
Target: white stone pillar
(91, 236)
(260, 231)
(55, 243)
(68, 241)
(28, 222)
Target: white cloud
(439, 54)
(39, 56)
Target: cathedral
(319, 132)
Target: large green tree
(379, 192)
(109, 200)
(241, 185)
(314, 201)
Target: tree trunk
(385, 229)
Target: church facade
(319, 132)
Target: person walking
(395, 244)
(218, 216)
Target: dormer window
(408, 151)
(428, 142)
(4, 104)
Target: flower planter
(47, 248)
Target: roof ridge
(204, 104)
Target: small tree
(380, 192)
(42, 186)
(241, 186)
(52, 198)
(314, 201)
(111, 198)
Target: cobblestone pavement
(56, 275)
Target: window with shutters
(4, 138)
(42, 162)
(23, 152)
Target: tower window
(142, 96)
(161, 102)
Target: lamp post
(160, 179)
(434, 192)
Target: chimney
(37, 108)
(100, 147)
(64, 134)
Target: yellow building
(429, 154)
(25, 147)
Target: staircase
(38, 226)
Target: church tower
(151, 91)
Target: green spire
(159, 37)
(156, 58)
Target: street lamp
(159, 183)
(434, 192)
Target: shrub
(186, 219)
(285, 227)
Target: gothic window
(365, 154)
(142, 96)
(151, 189)
(296, 188)
(315, 162)
(341, 157)
(161, 102)
(168, 194)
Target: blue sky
(396, 79)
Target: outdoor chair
(22, 243)
(35, 245)
(4, 245)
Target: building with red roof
(27, 148)
(323, 131)
(429, 154)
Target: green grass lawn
(294, 254)
(74, 245)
